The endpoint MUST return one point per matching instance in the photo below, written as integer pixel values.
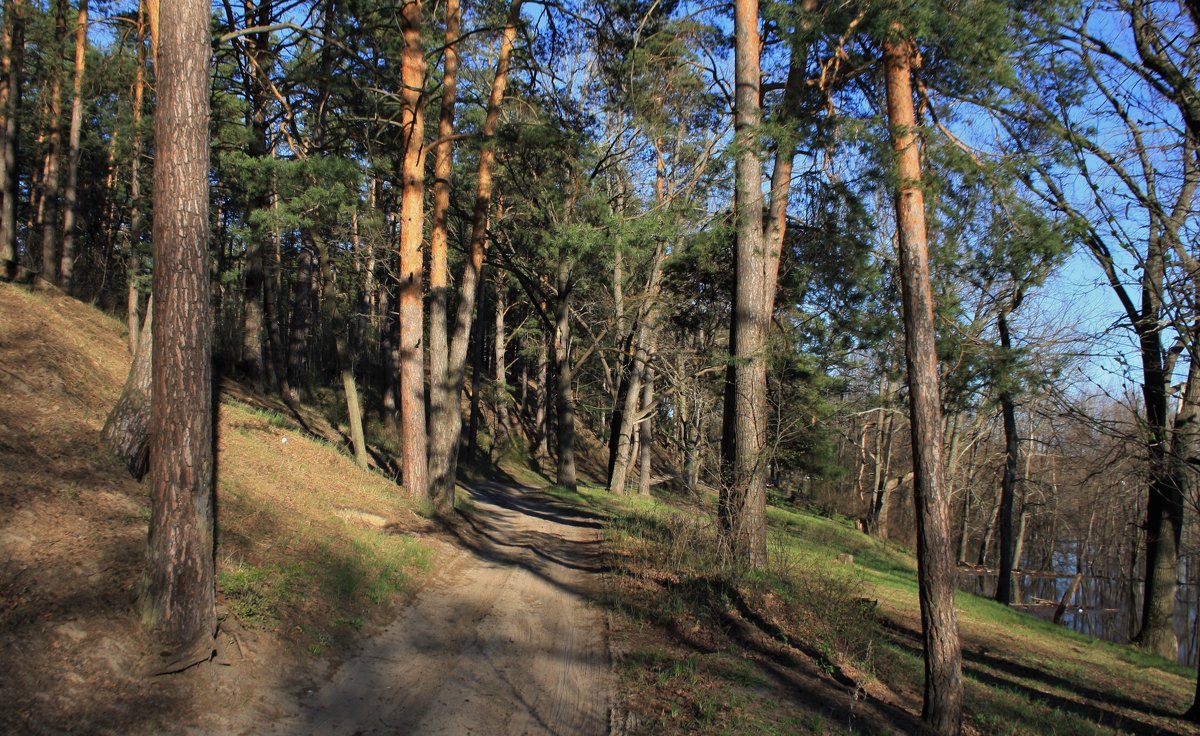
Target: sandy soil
(505, 639)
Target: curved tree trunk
(127, 428)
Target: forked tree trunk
(179, 600)
(935, 572)
(446, 432)
(71, 192)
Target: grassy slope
(309, 546)
(712, 660)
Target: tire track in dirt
(506, 639)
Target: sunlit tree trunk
(742, 503)
(179, 602)
(446, 433)
(71, 191)
(133, 258)
(939, 620)
(411, 268)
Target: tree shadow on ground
(1005, 674)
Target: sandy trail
(504, 640)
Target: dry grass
(299, 559)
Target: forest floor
(347, 609)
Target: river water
(1106, 605)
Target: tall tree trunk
(1164, 505)
(476, 380)
(939, 620)
(48, 219)
(541, 414)
(71, 192)
(624, 418)
(390, 348)
(133, 257)
(179, 603)
(275, 358)
(647, 431)
(564, 379)
(127, 427)
(443, 397)
(255, 290)
(499, 368)
(297, 349)
(12, 53)
(412, 204)
(336, 319)
(1008, 484)
(742, 503)
(445, 434)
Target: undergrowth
(711, 648)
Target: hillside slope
(310, 548)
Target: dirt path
(505, 639)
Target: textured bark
(127, 427)
(936, 570)
(442, 395)
(12, 53)
(742, 503)
(181, 588)
(446, 432)
(71, 191)
(411, 385)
